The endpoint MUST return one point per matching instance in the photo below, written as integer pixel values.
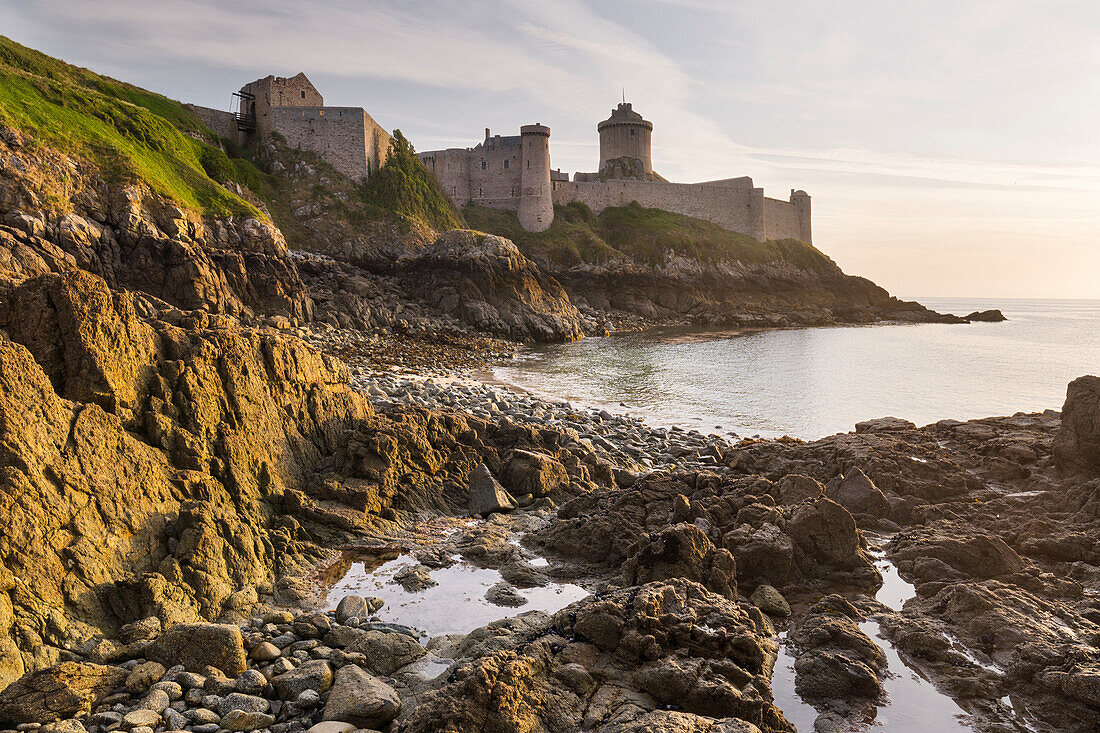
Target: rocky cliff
(59, 211)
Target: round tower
(801, 201)
(625, 135)
(536, 203)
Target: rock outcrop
(613, 662)
(1077, 445)
(485, 282)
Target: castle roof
(624, 114)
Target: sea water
(812, 382)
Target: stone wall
(488, 175)
(731, 207)
(781, 220)
(345, 137)
(221, 123)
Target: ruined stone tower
(536, 203)
(624, 138)
(347, 138)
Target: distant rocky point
(990, 316)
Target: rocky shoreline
(707, 559)
(201, 428)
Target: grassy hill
(133, 135)
(645, 235)
(129, 133)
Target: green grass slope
(129, 133)
(645, 235)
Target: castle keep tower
(625, 135)
(536, 204)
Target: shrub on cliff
(404, 187)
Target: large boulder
(836, 660)
(486, 494)
(316, 675)
(683, 551)
(825, 532)
(386, 652)
(795, 488)
(764, 555)
(361, 699)
(201, 645)
(1077, 445)
(62, 691)
(537, 474)
(858, 494)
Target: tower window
(303, 94)
(632, 132)
(506, 165)
(528, 164)
(483, 165)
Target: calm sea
(812, 382)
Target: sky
(951, 147)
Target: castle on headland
(345, 137)
(513, 172)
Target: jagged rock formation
(58, 212)
(156, 469)
(614, 662)
(133, 449)
(712, 519)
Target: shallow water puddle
(456, 605)
(913, 704)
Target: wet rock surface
(176, 482)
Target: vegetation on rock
(404, 187)
(648, 236)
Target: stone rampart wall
(781, 220)
(345, 137)
(736, 209)
(221, 123)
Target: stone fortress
(487, 175)
(512, 171)
(346, 137)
